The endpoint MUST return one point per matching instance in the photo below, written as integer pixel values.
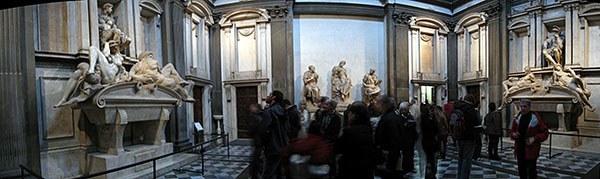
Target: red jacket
(317, 147)
(536, 129)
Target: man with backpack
(463, 120)
(387, 134)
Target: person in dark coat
(409, 137)
(359, 155)
(431, 142)
(467, 138)
(317, 147)
(293, 117)
(493, 129)
(257, 165)
(387, 134)
(329, 120)
(274, 128)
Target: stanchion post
(202, 158)
(227, 139)
(22, 173)
(154, 168)
(550, 147)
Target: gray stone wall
(19, 144)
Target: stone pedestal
(98, 161)
(564, 141)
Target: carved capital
(403, 18)
(277, 11)
(450, 24)
(493, 11)
(217, 17)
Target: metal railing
(25, 169)
(224, 137)
(550, 141)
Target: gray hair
(525, 101)
(403, 106)
(385, 99)
(332, 102)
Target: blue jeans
(466, 148)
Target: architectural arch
(152, 6)
(259, 14)
(430, 22)
(202, 9)
(518, 24)
(470, 19)
(590, 10)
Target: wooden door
(244, 97)
(198, 114)
(474, 90)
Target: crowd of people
(380, 139)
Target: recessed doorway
(245, 95)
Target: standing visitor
(409, 137)
(359, 155)
(294, 119)
(387, 134)
(529, 131)
(329, 120)
(431, 142)
(493, 129)
(274, 128)
(463, 120)
(257, 166)
(443, 129)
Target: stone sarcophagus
(115, 106)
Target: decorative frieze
(403, 18)
(493, 11)
(277, 12)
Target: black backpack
(458, 124)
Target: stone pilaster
(452, 62)
(282, 49)
(398, 70)
(495, 48)
(215, 66)
(18, 116)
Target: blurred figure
(493, 129)
(438, 112)
(315, 146)
(345, 121)
(448, 108)
(329, 120)
(274, 131)
(257, 165)
(529, 131)
(359, 155)
(431, 142)
(293, 117)
(409, 137)
(387, 134)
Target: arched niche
(428, 65)
(472, 51)
(148, 29)
(518, 44)
(590, 18)
(245, 61)
(201, 9)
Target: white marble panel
(323, 41)
(57, 122)
(246, 46)
(593, 48)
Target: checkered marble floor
(218, 165)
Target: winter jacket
(274, 129)
(294, 121)
(330, 130)
(429, 128)
(387, 134)
(358, 150)
(472, 119)
(493, 123)
(408, 129)
(319, 149)
(536, 129)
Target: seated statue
(310, 92)
(570, 80)
(105, 68)
(147, 71)
(371, 90)
(108, 29)
(340, 84)
(553, 47)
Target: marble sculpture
(310, 91)
(340, 83)
(371, 87)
